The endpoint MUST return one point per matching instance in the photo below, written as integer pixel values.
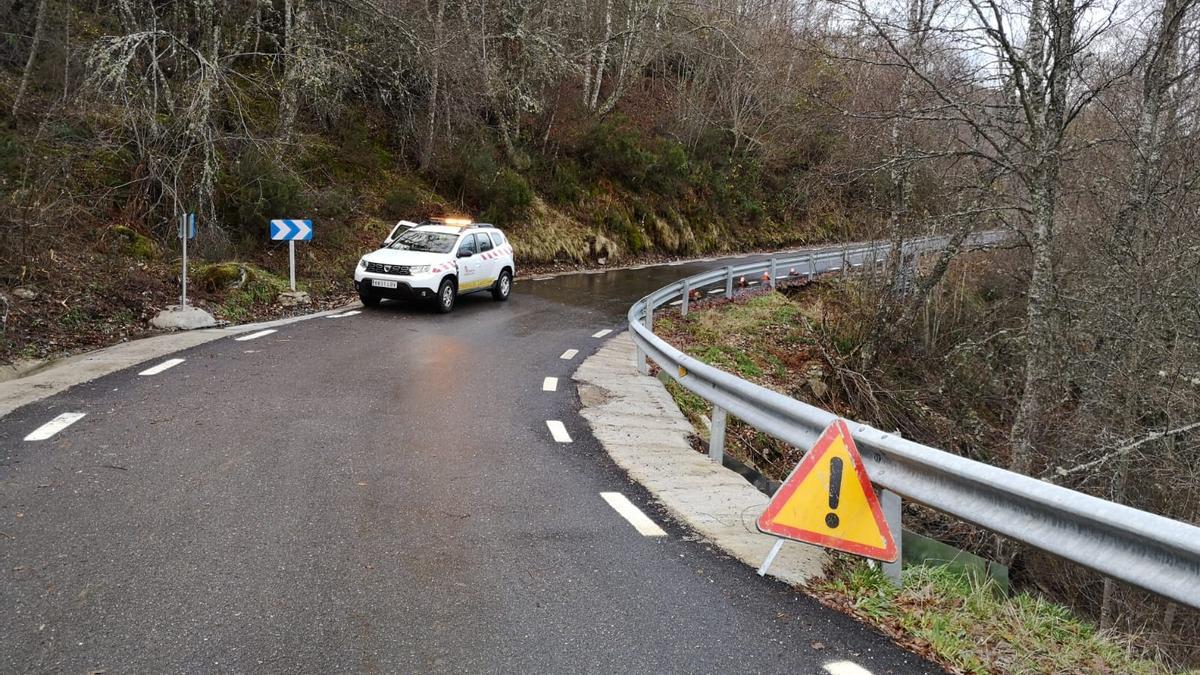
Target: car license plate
(383, 283)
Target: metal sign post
(291, 231)
(187, 230)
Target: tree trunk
(434, 83)
(1050, 26)
(602, 60)
(294, 16)
(886, 302)
(39, 30)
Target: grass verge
(971, 627)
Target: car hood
(391, 256)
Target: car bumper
(406, 287)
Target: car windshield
(424, 240)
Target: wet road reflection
(613, 291)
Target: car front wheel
(446, 295)
(502, 287)
(368, 300)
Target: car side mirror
(464, 254)
(387, 242)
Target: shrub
(402, 201)
(256, 191)
(669, 173)
(615, 151)
(619, 224)
(508, 198)
(563, 184)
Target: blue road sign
(291, 230)
(191, 226)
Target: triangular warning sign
(828, 500)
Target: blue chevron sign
(291, 230)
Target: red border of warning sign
(766, 522)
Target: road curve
(378, 492)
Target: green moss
(259, 288)
(224, 275)
(135, 244)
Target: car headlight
(418, 269)
(362, 263)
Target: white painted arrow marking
(171, 363)
(54, 426)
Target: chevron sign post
(291, 230)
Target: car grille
(380, 268)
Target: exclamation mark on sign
(835, 491)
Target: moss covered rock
(135, 244)
(225, 276)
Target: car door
(400, 228)
(470, 267)
(491, 266)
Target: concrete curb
(62, 375)
(641, 428)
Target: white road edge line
(255, 336)
(640, 521)
(601, 333)
(54, 426)
(558, 431)
(169, 363)
(569, 354)
(344, 314)
(550, 384)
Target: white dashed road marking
(676, 303)
(170, 363)
(640, 521)
(845, 668)
(54, 426)
(255, 336)
(558, 431)
(716, 290)
(550, 384)
(602, 333)
(344, 314)
(569, 354)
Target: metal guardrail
(1140, 548)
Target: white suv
(438, 261)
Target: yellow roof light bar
(462, 222)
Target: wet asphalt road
(376, 493)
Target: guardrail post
(643, 365)
(716, 438)
(729, 281)
(683, 307)
(774, 272)
(812, 266)
(890, 502)
(845, 271)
